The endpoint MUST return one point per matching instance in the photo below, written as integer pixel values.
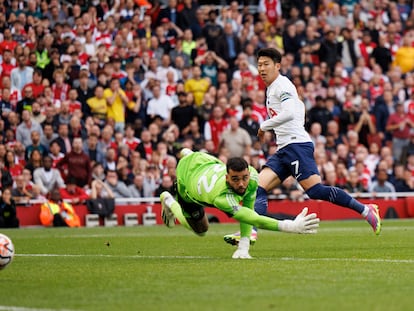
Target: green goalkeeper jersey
(201, 179)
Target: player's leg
(171, 210)
(268, 180)
(190, 215)
(317, 191)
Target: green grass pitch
(343, 267)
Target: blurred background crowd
(97, 97)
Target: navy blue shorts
(295, 160)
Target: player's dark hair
(236, 164)
(273, 54)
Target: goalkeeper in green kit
(203, 180)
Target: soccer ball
(6, 251)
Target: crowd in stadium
(98, 97)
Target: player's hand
(260, 134)
(303, 223)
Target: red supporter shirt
(79, 194)
(131, 143)
(37, 89)
(7, 45)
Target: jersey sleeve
(228, 203)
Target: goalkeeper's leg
(171, 209)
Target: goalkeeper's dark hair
(273, 54)
(236, 164)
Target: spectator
(76, 127)
(228, 46)
(381, 184)
(73, 193)
(100, 190)
(98, 106)
(142, 187)
(54, 62)
(167, 184)
(34, 161)
(236, 139)
(63, 138)
(383, 107)
(160, 106)
(365, 126)
(36, 85)
(399, 125)
(187, 15)
(12, 165)
(6, 179)
(51, 118)
(248, 121)
(20, 193)
(183, 114)
(353, 184)
(48, 135)
(26, 102)
(37, 115)
(57, 213)
(348, 50)
(212, 30)
(19, 151)
(54, 153)
(315, 134)
(328, 51)
(382, 55)
(319, 113)
(93, 149)
(8, 215)
(404, 56)
(404, 181)
(47, 177)
(35, 145)
(214, 128)
(64, 115)
(78, 164)
(22, 74)
(60, 89)
(116, 101)
(118, 188)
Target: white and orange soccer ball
(6, 251)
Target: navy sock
(260, 206)
(335, 195)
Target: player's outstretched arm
(303, 222)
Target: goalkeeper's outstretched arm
(303, 223)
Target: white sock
(365, 212)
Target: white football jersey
(286, 113)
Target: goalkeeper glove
(302, 224)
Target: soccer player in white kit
(294, 156)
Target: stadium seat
(92, 220)
(111, 221)
(130, 219)
(149, 218)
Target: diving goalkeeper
(203, 180)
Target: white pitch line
(409, 261)
(350, 259)
(15, 308)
